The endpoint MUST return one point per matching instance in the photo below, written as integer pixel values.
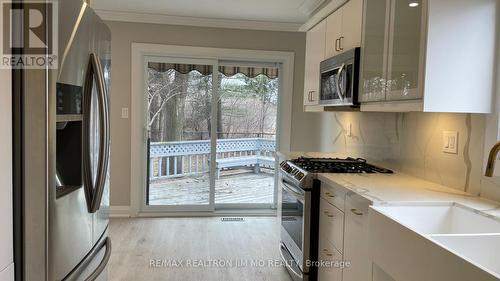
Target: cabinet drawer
(331, 271)
(334, 195)
(331, 224)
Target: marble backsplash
(411, 143)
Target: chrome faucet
(490, 167)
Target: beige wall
(123, 34)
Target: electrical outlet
(450, 142)
(125, 112)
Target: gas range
(302, 171)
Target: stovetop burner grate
(338, 165)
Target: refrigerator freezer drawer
(94, 266)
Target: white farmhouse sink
(480, 250)
(441, 218)
(434, 242)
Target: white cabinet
(333, 33)
(352, 22)
(6, 227)
(343, 28)
(339, 32)
(331, 225)
(356, 247)
(315, 53)
(429, 55)
(328, 253)
(331, 233)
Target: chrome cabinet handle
(311, 94)
(94, 192)
(357, 212)
(337, 44)
(102, 265)
(340, 43)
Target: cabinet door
(356, 250)
(374, 50)
(332, 269)
(333, 33)
(405, 48)
(315, 53)
(352, 18)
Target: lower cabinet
(331, 267)
(343, 236)
(331, 234)
(356, 247)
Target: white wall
(6, 228)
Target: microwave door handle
(339, 77)
(343, 84)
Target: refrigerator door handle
(93, 193)
(103, 97)
(104, 262)
(77, 273)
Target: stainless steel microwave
(339, 81)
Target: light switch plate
(450, 142)
(125, 112)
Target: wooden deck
(234, 186)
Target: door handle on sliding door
(94, 190)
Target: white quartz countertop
(398, 187)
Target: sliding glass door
(246, 139)
(211, 135)
(180, 95)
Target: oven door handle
(288, 263)
(293, 190)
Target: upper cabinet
(343, 28)
(315, 53)
(428, 55)
(339, 32)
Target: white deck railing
(181, 158)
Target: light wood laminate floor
(138, 241)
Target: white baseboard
(119, 211)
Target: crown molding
(196, 21)
(325, 9)
(308, 7)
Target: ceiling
(201, 12)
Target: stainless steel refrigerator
(61, 154)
